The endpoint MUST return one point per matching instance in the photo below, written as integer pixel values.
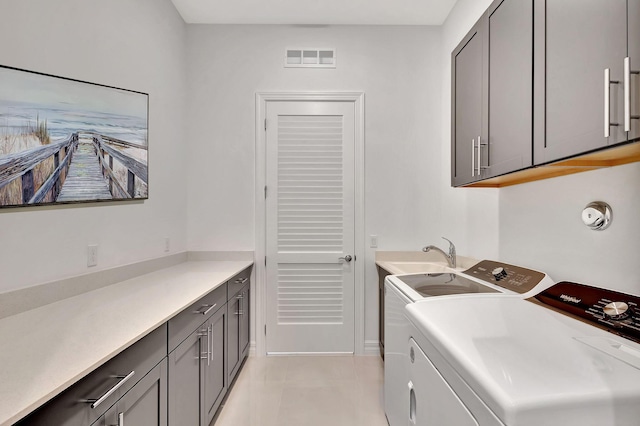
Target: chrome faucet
(451, 257)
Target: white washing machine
(488, 277)
(567, 357)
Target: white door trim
(260, 274)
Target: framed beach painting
(69, 141)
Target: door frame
(262, 99)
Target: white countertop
(413, 262)
(46, 350)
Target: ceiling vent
(310, 58)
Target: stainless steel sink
(441, 284)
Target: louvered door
(310, 226)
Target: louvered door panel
(310, 294)
(310, 169)
(310, 196)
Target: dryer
(569, 356)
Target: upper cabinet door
(467, 107)
(634, 62)
(583, 38)
(510, 41)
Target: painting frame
(70, 141)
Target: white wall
(546, 214)
(538, 224)
(137, 45)
(398, 70)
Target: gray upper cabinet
(510, 41)
(576, 42)
(537, 82)
(492, 92)
(633, 22)
(468, 108)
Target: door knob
(347, 258)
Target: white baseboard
(371, 348)
(252, 348)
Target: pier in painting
(83, 170)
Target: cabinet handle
(206, 354)
(209, 344)
(207, 309)
(627, 95)
(607, 102)
(123, 380)
(473, 157)
(479, 155)
(241, 280)
(239, 313)
(480, 166)
(120, 419)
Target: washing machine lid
(530, 364)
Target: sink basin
(415, 267)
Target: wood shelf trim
(625, 154)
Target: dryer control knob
(499, 273)
(616, 310)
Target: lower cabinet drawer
(86, 402)
(238, 282)
(183, 324)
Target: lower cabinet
(131, 386)
(238, 312)
(382, 274)
(145, 404)
(207, 344)
(215, 378)
(185, 373)
(197, 373)
(178, 375)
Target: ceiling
(315, 12)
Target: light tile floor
(307, 391)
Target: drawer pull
(239, 313)
(123, 380)
(207, 309)
(241, 280)
(240, 296)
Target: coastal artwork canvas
(69, 141)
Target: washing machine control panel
(616, 312)
(514, 278)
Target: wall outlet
(373, 241)
(92, 255)
(167, 244)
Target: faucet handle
(452, 248)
